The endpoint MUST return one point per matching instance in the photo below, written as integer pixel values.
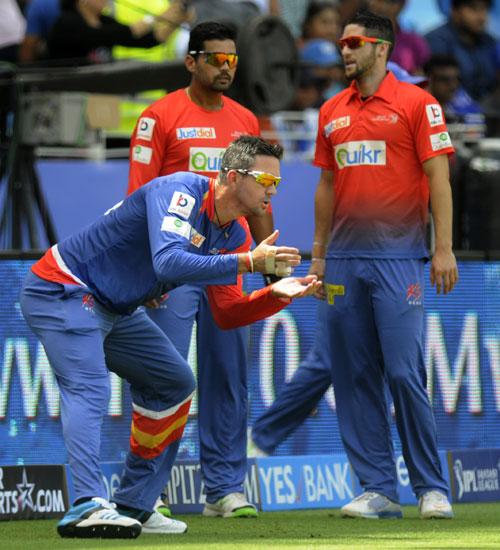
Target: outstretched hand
(296, 287)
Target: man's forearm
(323, 212)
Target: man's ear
(190, 63)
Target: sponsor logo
(205, 159)
(389, 119)
(88, 303)
(142, 154)
(38, 494)
(181, 204)
(145, 128)
(434, 114)
(360, 153)
(195, 133)
(174, 225)
(197, 239)
(440, 141)
(332, 291)
(336, 124)
(476, 480)
(414, 295)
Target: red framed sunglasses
(217, 59)
(355, 42)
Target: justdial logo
(360, 153)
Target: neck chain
(217, 215)
(226, 234)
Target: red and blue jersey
(160, 237)
(375, 148)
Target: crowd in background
(460, 58)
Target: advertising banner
(32, 492)
(294, 482)
(475, 475)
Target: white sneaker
(371, 505)
(234, 505)
(158, 524)
(434, 505)
(162, 505)
(97, 518)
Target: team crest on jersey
(205, 159)
(440, 141)
(142, 154)
(145, 128)
(388, 119)
(414, 295)
(88, 303)
(434, 114)
(197, 239)
(337, 124)
(195, 133)
(172, 224)
(181, 204)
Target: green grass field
(474, 526)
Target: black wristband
(270, 278)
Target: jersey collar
(386, 91)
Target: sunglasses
(217, 59)
(263, 178)
(355, 42)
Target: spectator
(411, 50)
(443, 73)
(464, 37)
(292, 12)
(322, 21)
(12, 26)
(228, 11)
(40, 18)
(96, 32)
(321, 59)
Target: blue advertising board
(475, 475)
(313, 481)
(462, 355)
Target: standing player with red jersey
(188, 130)
(383, 149)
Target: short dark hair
(209, 30)
(460, 3)
(376, 26)
(438, 61)
(241, 152)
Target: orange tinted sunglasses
(217, 59)
(355, 42)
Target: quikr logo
(205, 159)
(360, 153)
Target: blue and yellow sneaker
(97, 518)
